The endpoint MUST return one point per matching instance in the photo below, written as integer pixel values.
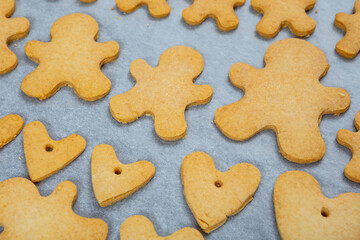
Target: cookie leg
(269, 26)
(301, 142)
(227, 20)
(170, 124)
(193, 16)
(352, 169)
(8, 60)
(302, 25)
(128, 6)
(159, 8)
(347, 47)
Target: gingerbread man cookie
(280, 13)
(11, 29)
(141, 228)
(44, 156)
(349, 46)
(212, 195)
(303, 212)
(113, 181)
(26, 215)
(10, 126)
(351, 140)
(286, 97)
(164, 92)
(222, 11)
(72, 58)
(157, 8)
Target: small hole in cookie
(49, 148)
(218, 184)
(117, 171)
(325, 212)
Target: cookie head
(76, 24)
(191, 63)
(298, 56)
(7, 7)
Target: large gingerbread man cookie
(139, 227)
(26, 215)
(221, 10)
(286, 97)
(11, 29)
(351, 140)
(280, 13)
(164, 92)
(157, 8)
(72, 58)
(349, 46)
(303, 212)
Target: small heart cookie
(157, 8)
(351, 140)
(349, 46)
(303, 212)
(212, 195)
(26, 215)
(44, 156)
(10, 126)
(113, 181)
(141, 228)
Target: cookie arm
(337, 100)
(159, 8)
(109, 51)
(241, 75)
(140, 70)
(19, 28)
(200, 94)
(65, 193)
(35, 49)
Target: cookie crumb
(148, 25)
(341, 94)
(15, 45)
(316, 11)
(118, 17)
(112, 8)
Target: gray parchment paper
(141, 36)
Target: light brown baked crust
(10, 126)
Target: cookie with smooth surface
(349, 46)
(157, 8)
(279, 13)
(113, 181)
(45, 156)
(164, 92)
(303, 212)
(72, 58)
(286, 97)
(221, 11)
(26, 215)
(141, 228)
(351, 140)
(11, 29)
(10, 126)
(212, 195)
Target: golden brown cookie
(11, 29)
(157, 8)
(212, 195)
(351, 140)
(349, 46)
(72, 58)
(303, 212)
(10, 126)
(26, 215)
(164, 92)
(280, 13)
(141, 228)
(286, 97)
(113, 181)
(45, 156)
(221, 11)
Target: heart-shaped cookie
(45, 156)
(212, 195)
(303, 212)
(141, 228)
(113, 181)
